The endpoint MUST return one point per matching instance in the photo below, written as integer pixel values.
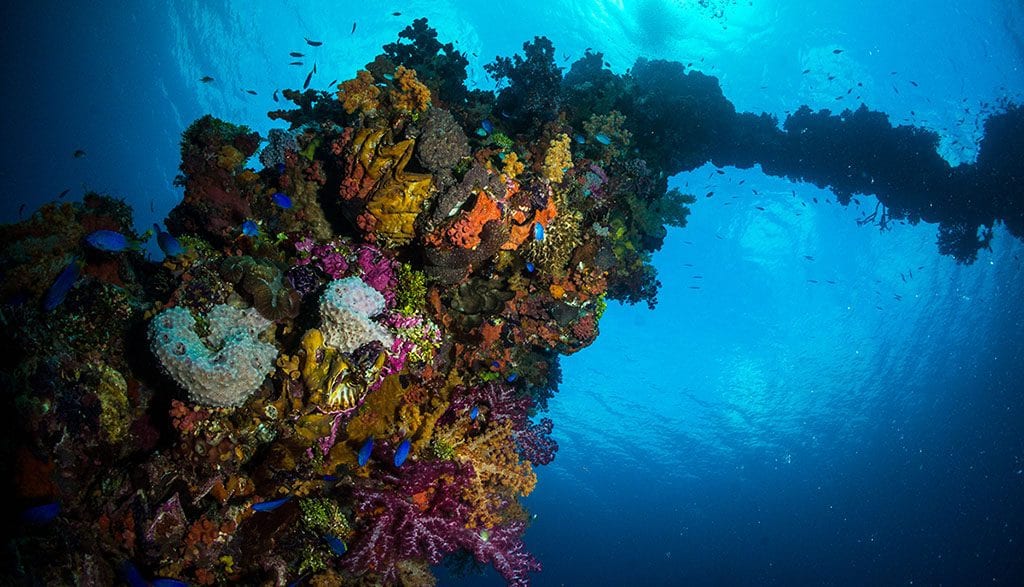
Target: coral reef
(222, 368)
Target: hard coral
(558, 158)
(221, 369)
(262, 282)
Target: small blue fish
(269, 506)
(280, 167)
(529, 267)
(389, 77)
(511, 377)
(162, 582)
(365, 451)
(402, 453)
(481, 132)
(41, 514)
(336, 544)
(250, 229)
(474, 412)
(538, 231)
(579, 139)
(602, 138)
(62, 285)
(168, 244)
(131, 575)
(110, 241)
(486, 126)
(282, 200)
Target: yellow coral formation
(411, 95)
(327, 374)
(558, 159)
(229, 158)
(112, 392)
(395, 197)
(513, 166)
(498, 471)
(359, 93)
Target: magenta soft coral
(503, 402)
(421, 515)
(399, 527)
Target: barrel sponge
(221, 369)
(346, 309)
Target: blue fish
(280, 167)
(41, 514)
(402, 453)
(538, 231)
(168, 244)
(511, 377)
(269, 506)
(389, 77)
(282, 200)
(110, 241)
(579, 139)
(481, 132)
(131, 575)
(62, 285)
(365, 451)
(250, 229)
(336, 544)
(474, 412)
(602, 138)
(486, 126)
(529, 267)
(163, 582)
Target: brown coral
(410, 95)
(359, 93)
(379, 194)
(263, 283)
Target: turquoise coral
(221, 369)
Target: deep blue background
(763, 429)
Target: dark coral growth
(262, 283)
(341, 389)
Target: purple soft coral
(417, 515)
(504, 402)
(535, 443)
(503, 547)
(378, 272)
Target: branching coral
(409, 94)
(558, 158)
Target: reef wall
(337, 372)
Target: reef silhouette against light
(337, 373)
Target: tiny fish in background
(402, 453)
(365, 451)
(282, 200)
(253, 92)
(297, 54)
(78, 154)
(305, 84)
(353, 27)
(269, 506)
(206, 79)
(312, 43)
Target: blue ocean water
(832, 406)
